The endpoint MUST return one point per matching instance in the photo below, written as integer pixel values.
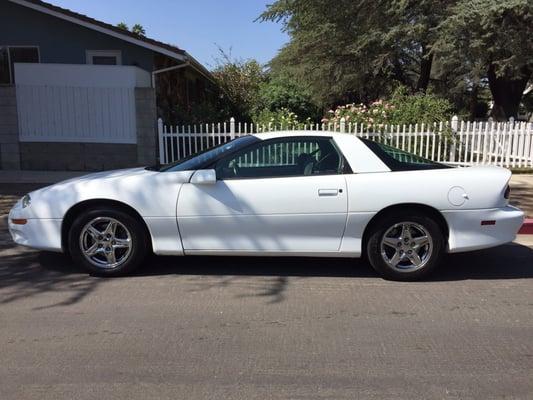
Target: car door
(278, 195)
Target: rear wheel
(406, 246)
(107, 242)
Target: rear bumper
(467, 233)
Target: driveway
(264, 328)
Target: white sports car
(275, 194)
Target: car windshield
(400, 160)
(206, 157)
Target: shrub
(401, 108)
(284, 92)
(282, 118)
(419, 108)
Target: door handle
(328, 192)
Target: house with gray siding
(81, 94)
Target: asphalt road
(229, 328)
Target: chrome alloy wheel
(105, 242)
(406, 246)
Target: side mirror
(204, 177)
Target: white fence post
(161, 141)
(232, 128)
(454, 126)
(343, 125)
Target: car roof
(287, 133)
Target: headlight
(26, 201)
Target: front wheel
(107, 242)
(405, 247)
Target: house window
(9, 55)
(104, 57)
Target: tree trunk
(506, 93)
(473, 101)
(425, 71)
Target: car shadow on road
(30, 273)
(512, 261)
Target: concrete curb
(527, 228)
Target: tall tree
(355, 50)
(495, 39)
(239, 82)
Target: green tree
(138, 29)
(239, 82)
(123, 25)
(494, 39)
(356, 50)
(284, 92)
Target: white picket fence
(507, 144)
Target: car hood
(151, 193)
(118, 173)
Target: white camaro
(276, 194)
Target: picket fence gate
(506, 144)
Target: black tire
(387, 222)
(139, 244)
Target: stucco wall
(61, 41)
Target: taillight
(507, 192)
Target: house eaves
(102, 27)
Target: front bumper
(466, 232)
(42, 234)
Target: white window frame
(89, 54)
(9, 56)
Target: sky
(197, 26)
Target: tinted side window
(283, 157)
(399, 160)
(209, 156)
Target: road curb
(527, 227)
